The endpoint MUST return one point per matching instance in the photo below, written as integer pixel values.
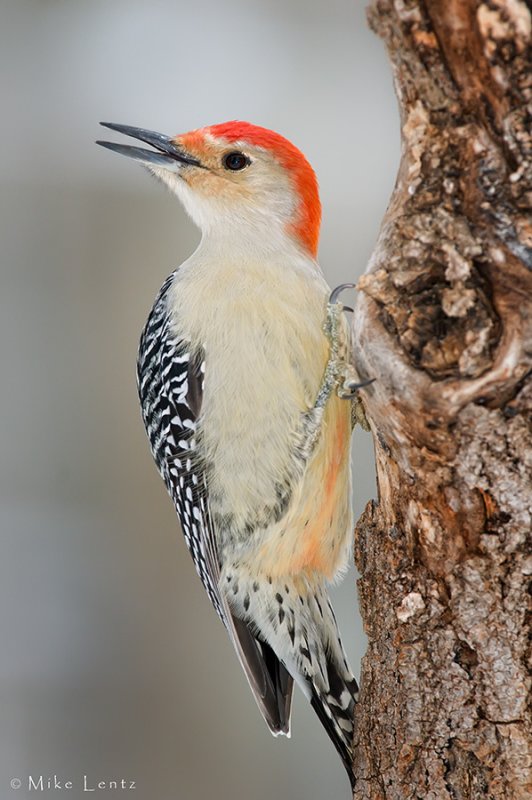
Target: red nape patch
(307, 227)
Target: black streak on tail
(343, 751)
(336, 715)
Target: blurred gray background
(112, 662)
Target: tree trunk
(444, 324)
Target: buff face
(260, 195)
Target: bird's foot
(340, 372)
(335, 331)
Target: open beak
(166, 153)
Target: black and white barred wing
(170, 382)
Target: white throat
(243, 225)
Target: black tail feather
(271, 683)
(343, 750)
(283, 684)
(335, 710)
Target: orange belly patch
(312, 536)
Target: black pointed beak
(166, 154)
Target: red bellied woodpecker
(242, 371)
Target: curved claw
(349, 388)
(335, 294)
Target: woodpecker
(242, 378)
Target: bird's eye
(235, 161)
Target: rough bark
(444, 324)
